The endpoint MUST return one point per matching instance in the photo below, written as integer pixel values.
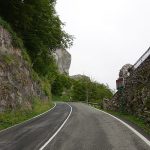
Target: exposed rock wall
(135, 97)
(63, 60)
(17, 87)
(137, 91)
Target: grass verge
(133, 119)
(11, 118)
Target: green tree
(61, 84)
(79, 91)
(86, 90)
(38, 24)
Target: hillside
(34, 62)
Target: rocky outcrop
(124, 71)
(17, 87)
(63, 60)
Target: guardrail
(142, 59)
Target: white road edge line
(29, 119)
(128, 126)
(57, 130)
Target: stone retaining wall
(135, 97)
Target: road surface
(80, 127)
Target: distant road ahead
(85, 129)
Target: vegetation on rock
(39, 26)
(10, 118)
(36, 32)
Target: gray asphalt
(86, 129)
(89, 129)
(33, 134)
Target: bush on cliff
(40, 28)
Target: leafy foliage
(37, 23)
(17, 42)
(91, 91)
(79, 90)
(82, 89)
(60, 84)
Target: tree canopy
(38, 24)
(80, 89)
(91, 91)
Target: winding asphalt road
(71, 127)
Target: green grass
(139, 122)
(11, 118)
(133, 119)
(8, 59)
(46, 87)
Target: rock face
(124, 71)
(135, 97)
(17, 88)
(63, 60)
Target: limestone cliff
(63, 60)
(17, 87)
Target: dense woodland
(40, 29)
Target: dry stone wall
(135, 97)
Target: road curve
(85, 129)
(90, 129)
(32, 134)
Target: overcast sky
(109, 34)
